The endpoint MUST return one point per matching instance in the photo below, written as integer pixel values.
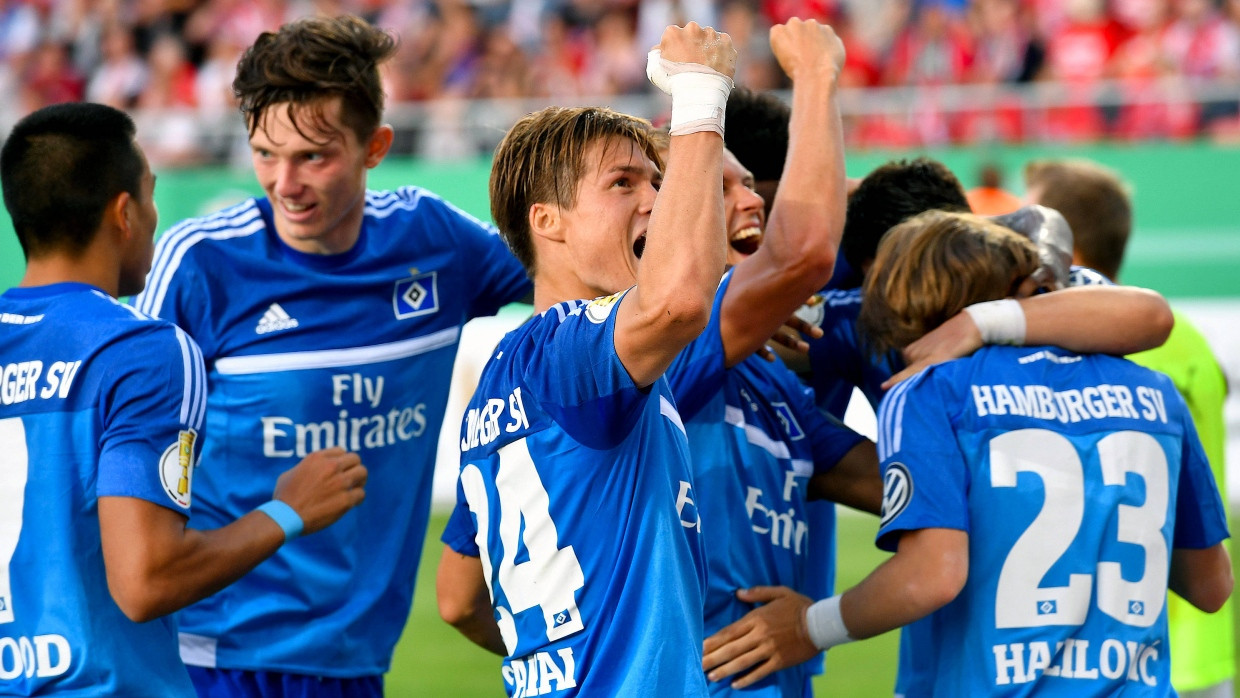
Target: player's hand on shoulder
(805, 47)
(693, 43)
(953, 339)
(323, 486)
(771, 637)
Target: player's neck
(550, 289)
(98, 265)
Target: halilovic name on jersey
(583, 512)
(754, 441)
(96, 400)
(305, 352)
(1075, 477)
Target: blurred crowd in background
(953, 71)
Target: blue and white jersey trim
(667, 409)
(891, 419)
(194, 396)
(566, 309)
(335, 358)
(194, 403)
(239, 221)
(735, 416)
(385, 203)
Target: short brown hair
(931, 266)
(1094, 201)
(307, 62)
(543, 159)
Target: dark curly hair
(310, 60)
(891, 194)
(757, 132)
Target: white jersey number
(14, 469)
(551, 575)
(1020, 600)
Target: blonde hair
(543, 160)
(931, 266)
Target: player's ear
(378, 145)
(116, 214)
(545, 222)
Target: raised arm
(685, 240)
(807, 218)
(1089, 319)
(155, 565)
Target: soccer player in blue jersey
(101, 417)
(328, 315)
(575, 467)
(1096, 202)
(988, 464)
(759, 447)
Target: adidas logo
(275, 319)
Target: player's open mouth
(746, 240)
(639, 246)
(295, 208)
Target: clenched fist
(702, 45)
(322, 487)
(805, 47)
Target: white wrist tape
(699, 93)
(826, 625)
(999, 322)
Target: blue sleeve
(832, 363)
(841, 359)
(578, 377)
(177, 290)
(925, 476)
(461, 532)
(829, 438)
(153, 417)
(1200, 519)
(495, 277)
(697, 374)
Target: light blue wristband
(285, 517)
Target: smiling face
(603, 235)
(316, 178)
(744, 208)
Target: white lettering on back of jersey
(482, 423)
(15, 319)
(20, 380)
(1069, 406)
(540, 674)
(1018, 663)
(42, 656)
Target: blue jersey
(581, 507)
(96, 400)
(840, 359)
(1062, 597)
(309, 351)
(755, 442)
